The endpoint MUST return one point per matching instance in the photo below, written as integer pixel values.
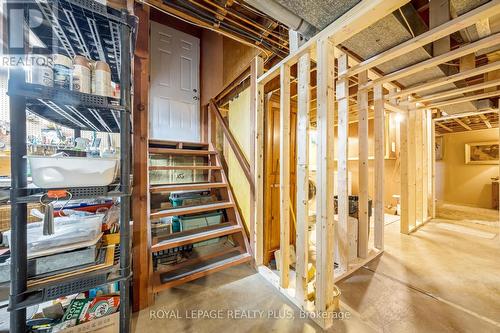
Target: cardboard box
(108, 324)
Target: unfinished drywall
(460, 183)
(238, 120)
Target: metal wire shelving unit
(96, 31)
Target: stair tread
(186, 187)
(196, 237)
(198, 272)
(172, 143)
(192, 209)
(174, 151)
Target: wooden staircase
(217, 257)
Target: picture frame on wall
(482, 152)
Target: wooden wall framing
(416, 133)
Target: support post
(433, 166)
(411, 170)
(256, 155)
(363, 219)
(419, 156)
(302, 211)
(284, 175)
(143, 296)
(379, 123)
(342, 95)
(405, 183)
(125, 150)
(324, 174)
(18, 213)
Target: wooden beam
(284, 265)
(141, 231)
(445, 80)
(257, 157)
(465, 114)
(485, 120)
(302, 211)
(363, 220)
(324, 175)
(464, 125)
(379, 134)
(446, 128)
(432, 62)
(440, 31)
(342, 97)
(358, 18)
(462, 99)
(459, 91)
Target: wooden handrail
(240, 157)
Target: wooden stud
(285, 175)
(419, 156)
(256, 159)
(302, 142)
(141, 232)
(363, 219)
(379, 132)
(429, 162)
(325, 170)
(412, 169)
(342, 96)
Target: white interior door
(174, 87)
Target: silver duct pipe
(285, 16)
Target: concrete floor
(445, 277)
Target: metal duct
(285, 16)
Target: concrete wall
(467, 184)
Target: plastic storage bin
(186, 198)
(189, 222)
(68, 230)
(57, 172)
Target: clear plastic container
(69, 230)
(63, 171)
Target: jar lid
(102, 65)
(60, 59)
(81, 60)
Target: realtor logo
(27, 34)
